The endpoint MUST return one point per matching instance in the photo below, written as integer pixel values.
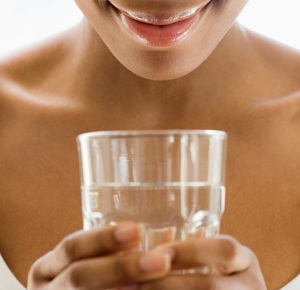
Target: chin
(162, 67)
(161, 75)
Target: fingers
(189, 282)
(86, 244)
(113, 271)
(95, 260)
(224, 252)
(248, 279)
(242, 281)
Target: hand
(237, 267)
(98, 259)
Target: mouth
(160, 29)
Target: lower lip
(160, 35)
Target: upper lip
(161, 18)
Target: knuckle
(34, 275)
(126, 269)
(74, 278)
(68, 248)
(106, 244)
(228, 249)
(33, 272)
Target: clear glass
(171, 181)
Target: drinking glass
(171, 181)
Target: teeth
(161, 19)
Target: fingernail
(155, 262)
(166, 251)
(128, 233)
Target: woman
(144, 64)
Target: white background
(23, 22)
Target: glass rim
(218, 134)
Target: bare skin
(253, 94)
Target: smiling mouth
(161, 19)
(160, 30)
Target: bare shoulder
(12, 88)
(23, 80)
(30, 66)
(279, 66)
(281, 57)
(5, 91)
(26, 72)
